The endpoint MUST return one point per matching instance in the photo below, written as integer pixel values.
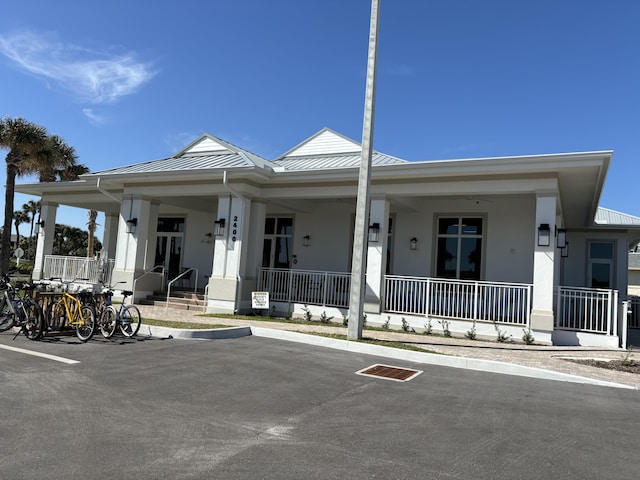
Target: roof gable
(325, 142)
(204, 144)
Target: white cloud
(92, 115)
(94, 77)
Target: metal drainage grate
(390, 373)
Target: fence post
(427, 310)
(476, 288)
(624, 324)
(290, 273)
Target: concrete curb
(377, 350)
(194, 334)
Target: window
(459, 248)
(278, 242)
(601, 261)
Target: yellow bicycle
(70, 310)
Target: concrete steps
(180, 300)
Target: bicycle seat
(127, 293)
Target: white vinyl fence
(310, 287)
(69, 269)
(459, 299)
(587, 310)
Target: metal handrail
(178, 278)
(144, 274)
(206, 298)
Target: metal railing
(155, 269)
(587, 310)
(95, 270)
(187, 274)
(459, 299)
(330, 289)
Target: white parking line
(38, 354)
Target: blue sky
(125, 82)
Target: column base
(542, 322)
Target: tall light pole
(358, 267)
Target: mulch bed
(630, 366)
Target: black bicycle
(18, 310)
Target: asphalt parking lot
(251, 408)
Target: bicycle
(71, 309)
(127, 317)
(19, 310)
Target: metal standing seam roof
(334, 161)
(184, 163)
(605, 216)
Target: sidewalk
(537, 356)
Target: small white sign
(19, 252)
(260, 300)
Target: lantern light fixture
(544, 235)
(218, 226)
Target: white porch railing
(330, 289)
(69, 269)
(587, 310)
(465, 300)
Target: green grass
(338, 336)
(258, 318)
(374, 341)
(187, 325)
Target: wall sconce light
(38, 226)
(413, 243)
(208, 238)
(564, 251)
(561, 237)
(132, 223)
(306, 240)
(218, 227)
(374, 232)
(544, 235)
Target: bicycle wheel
(130, 320)
(86, 325)
(33, 324)
(7, 318)
(56, 317)
(108, 321)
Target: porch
(582, 316)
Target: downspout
(105, 192)
(235, 193)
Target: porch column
(542, 319)
(131, 248)
(110, 235)
(229, 258)
(254, 241)
(377, 256)
(44, 245)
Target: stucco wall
(509, 236)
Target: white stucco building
(509, 243)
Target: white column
(377, 256)
(229, 259)
(542, 319)
(110, 235)
(131, 247)
(45, 236)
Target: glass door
(169, 245)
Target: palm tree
(31, 151)
(19, 217)
(31, 208)
(24, 140)
(91, 226)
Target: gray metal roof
(184, 163)
(321, 162)
(605, 216)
